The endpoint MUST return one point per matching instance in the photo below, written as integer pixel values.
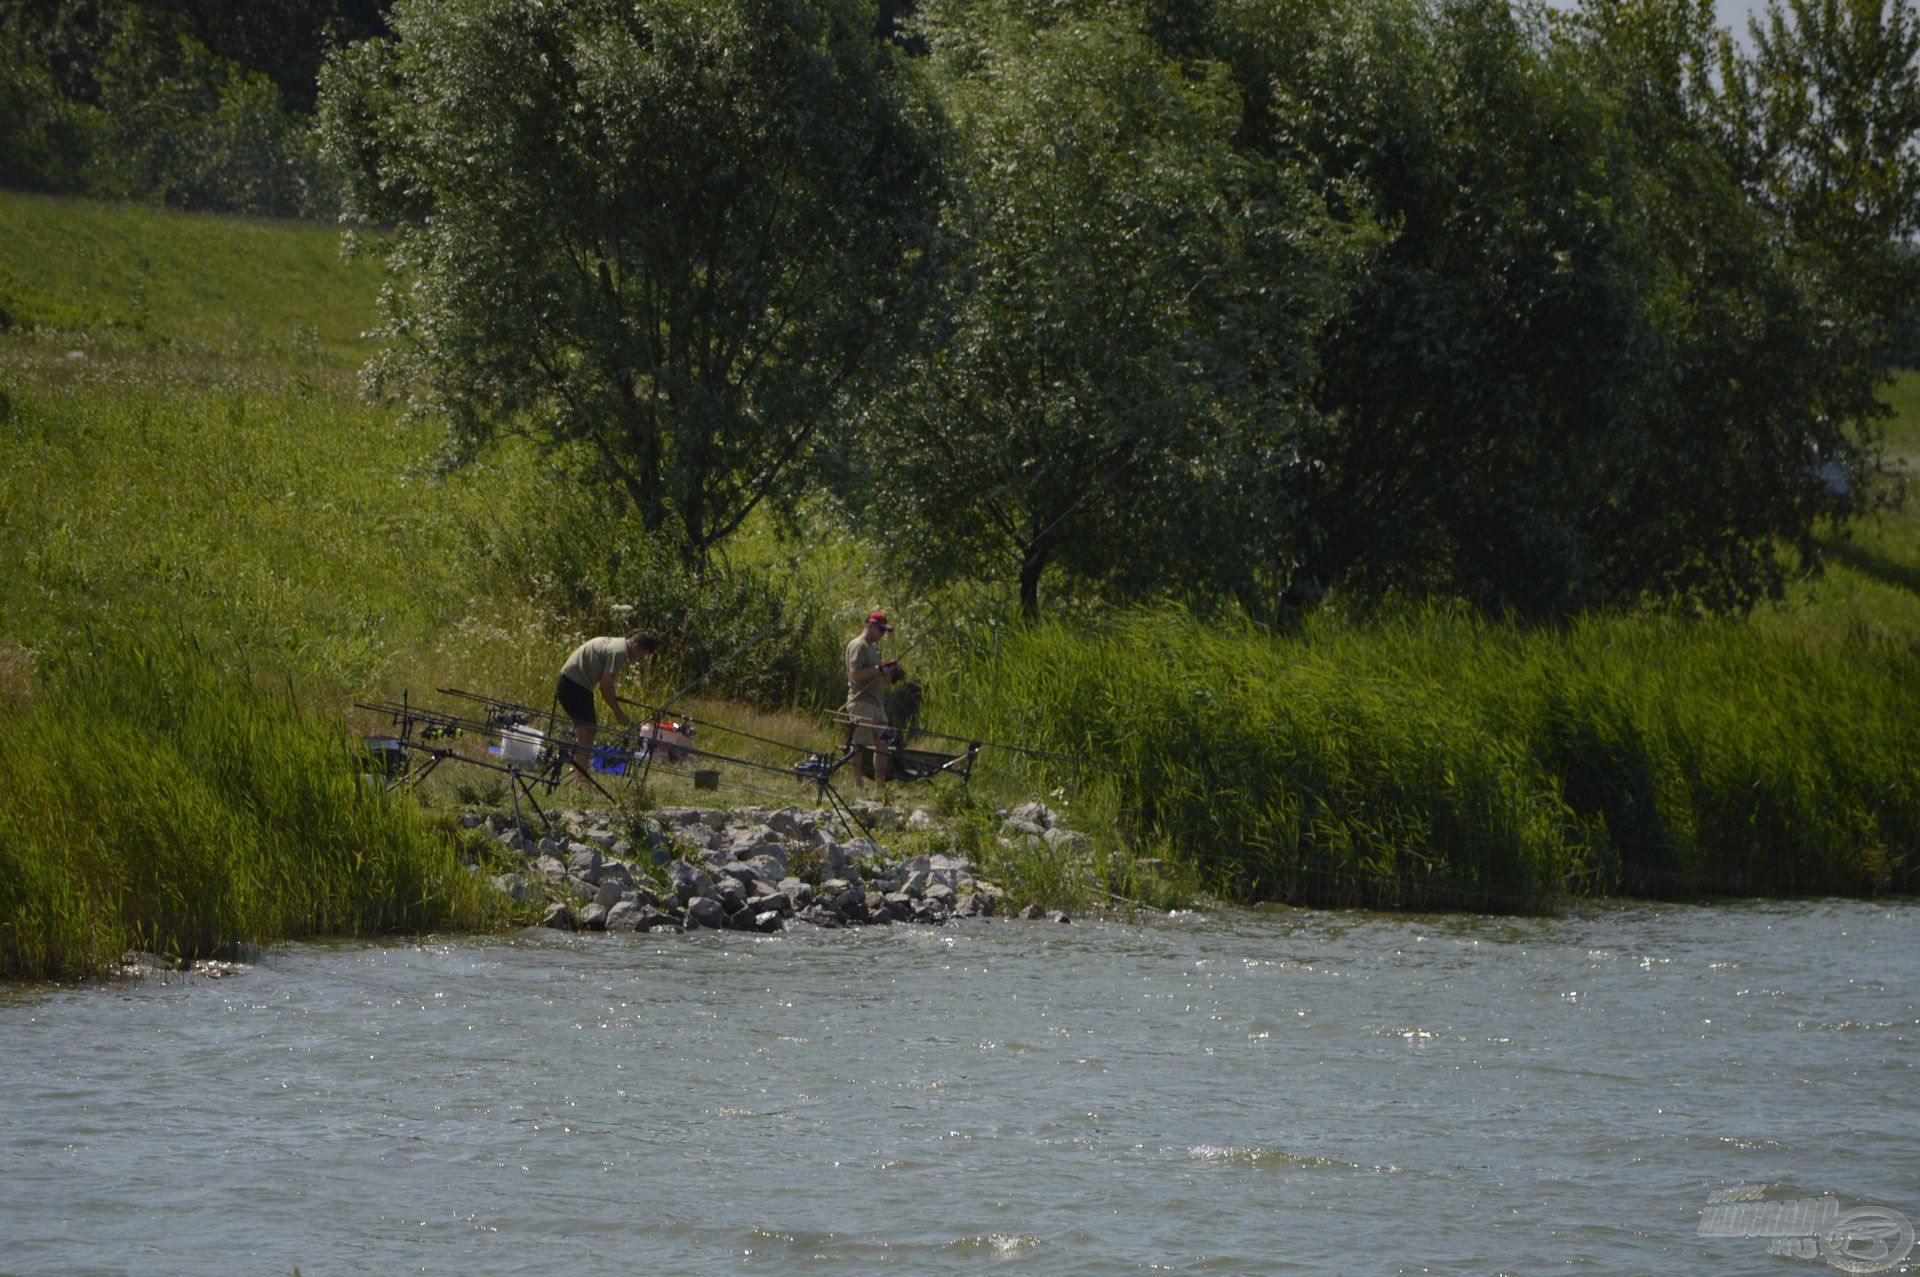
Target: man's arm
(613, 700)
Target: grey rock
(601, 838)
(584, 861)
(611, 893)
(792, 822)
(731, 894)
(622, 847)
(770, 865)
(821, 916)
(594, 917)
(799, 891)
(841, 894)
(900, 906)
(1033, 911)
(1037, 813)
(617, 871)
(768, 920)
(1068, 840)
(711, 817)
(922, 819)
(704, 911)
(551, 868)
(762, 897)
(940, 896)
(472, 820)
(656, 920)
(625, 916)
(688, 882)
(876, 816)
(580, 888)
(517, 886)
(512, 839)
(1058, 915)
(840, 858)
(1014, 827)
(559, 917)
(878, 911)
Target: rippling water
(1231, 1093)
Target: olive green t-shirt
(593, 659)
(870, 697)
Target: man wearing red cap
(867, 677)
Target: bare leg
(583, 755)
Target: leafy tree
(107, 98)
(1827, 110)
(1113, 383)
(679, 233)
(1754, 418)
(1581, 372)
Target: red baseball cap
(879, 619)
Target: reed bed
(156, 801)
(1437, 762)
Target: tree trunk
(1032, 564)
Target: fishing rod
(523, 773)
(661, 711)
(723, 728)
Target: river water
(1241, 1092)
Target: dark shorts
(576, 700)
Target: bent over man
(596, 663)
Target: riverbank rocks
(754, 869)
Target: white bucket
(520, 744)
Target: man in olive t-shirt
(867, 676)
(596, 663)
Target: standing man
(867, 677)
(595, 664)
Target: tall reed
(1440, 762)
(156, 801)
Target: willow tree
(676, 233)
(1113, 384)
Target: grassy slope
(209, 290)
(199, 460)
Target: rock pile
(689, 868)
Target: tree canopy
(682, 233)
(1244, 300)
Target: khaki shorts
(869, 725)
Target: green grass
(202, 289)
(159, 800)
(293, 526)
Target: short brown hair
(645, 640)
